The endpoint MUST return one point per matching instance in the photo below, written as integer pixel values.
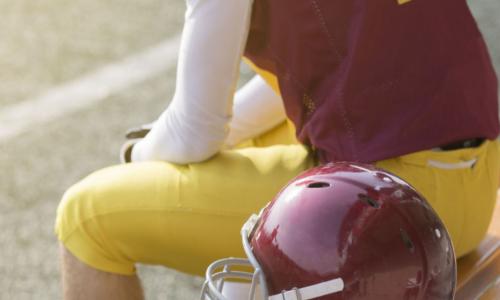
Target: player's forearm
(257, 109)
(194, 127)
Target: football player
(406, 85)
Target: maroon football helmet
(344, 231)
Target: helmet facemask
(215, 277)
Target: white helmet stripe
(312, 291)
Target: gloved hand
(133, 135)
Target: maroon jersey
(366, 80)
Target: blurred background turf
(45, 43)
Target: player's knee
(79, 227)
(73, 209)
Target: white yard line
(88, 89)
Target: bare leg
(83, 282)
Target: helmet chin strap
(312, 291)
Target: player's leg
(183, 217)
(461, 185)
(78, 279)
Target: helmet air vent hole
(406, 240)
(369, 200)
(318, 184)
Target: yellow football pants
(186, 216)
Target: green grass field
(47, 43)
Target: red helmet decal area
(360, 224)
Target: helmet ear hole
(369, 200)
(318, 184)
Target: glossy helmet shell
(358, 223)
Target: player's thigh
(179, 216)
(460, 185)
